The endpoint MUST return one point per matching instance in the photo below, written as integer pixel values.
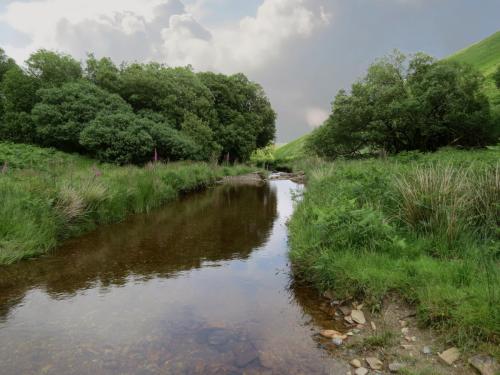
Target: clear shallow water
(200, 287)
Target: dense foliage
(408, 104)
(130, 113)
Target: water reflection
(200, 287)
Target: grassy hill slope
(485, 56)
(292, 150)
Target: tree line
(407, 103)
(132, 112)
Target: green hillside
(485, 56)
(292, 150)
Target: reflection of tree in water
(222, 224)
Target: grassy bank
(47, 196)
(423, 226)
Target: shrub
(18, 127)
(194, 128)
(172, 144)
(121, 138)
(63, 112)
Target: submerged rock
(244, 353)
(361, 371)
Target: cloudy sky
(301, 51)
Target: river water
(202, 286)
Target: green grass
(383, 339)
(485, 56)
(423, 225)
(291, 151)
(47, 196)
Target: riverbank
(421, 226)
(47, 196)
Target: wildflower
(97, 172)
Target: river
(202, 286)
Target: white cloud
(316, 116)
(162, 30)
(250, 43)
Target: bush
(171, 144)
(18, 127)
(120, 138)
(63, 112)
(19, 90)
(207, 148)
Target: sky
(301, 51)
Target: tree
(6, 63)
(172, 92)
(103, 73)
(245, 119)
(120, 138)
(19, 90)
(401, 104)
(63, 112)
(18, 96)
(52, 68)
(194, 128)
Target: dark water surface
(200, 287)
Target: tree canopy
(123, 113)
(403, 104)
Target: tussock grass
(449, 200)
(423, 225)
(47, 196)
